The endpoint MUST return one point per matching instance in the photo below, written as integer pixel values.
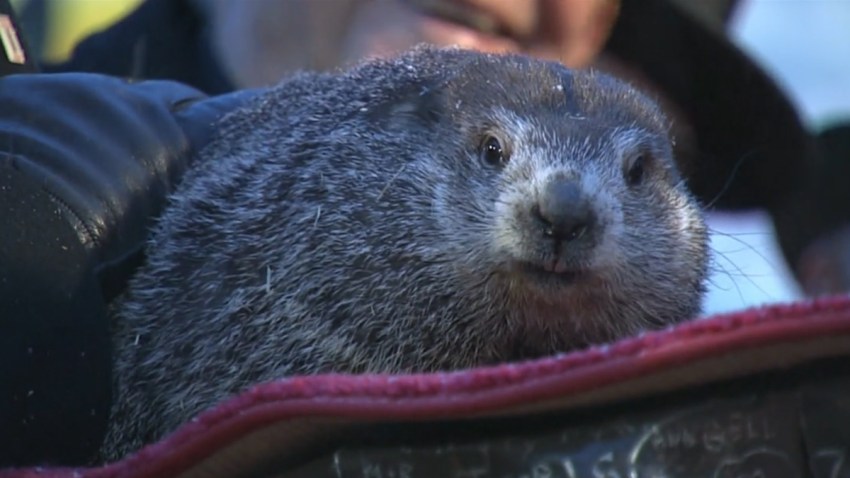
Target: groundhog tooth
(559, 266)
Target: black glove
(86, 162)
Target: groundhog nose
(564, 210)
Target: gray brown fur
(345, 222)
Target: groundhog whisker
(716, 267)
(390, 182)
(742, 234)
(729, 180)
(734, 236)
(318, 215)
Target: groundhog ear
(416, 109)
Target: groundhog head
(554, 190)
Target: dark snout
(565, 212)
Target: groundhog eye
(492, 152)
(635, 174)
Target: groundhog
(438, 210)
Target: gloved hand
(86, 162)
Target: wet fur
(344, 222)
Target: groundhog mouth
(548, 274)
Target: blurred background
(803, 44)
(54, 27)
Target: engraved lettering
(836, 458)
(377, 470)
(542, 470)
(713, 438)
(766, 430)
(756, 463)
(605, 467)
(734, 431)
(472, 472)
(752, 474)
(569, 468)
(372, 470)
(713, 435)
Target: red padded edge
(443, 395)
